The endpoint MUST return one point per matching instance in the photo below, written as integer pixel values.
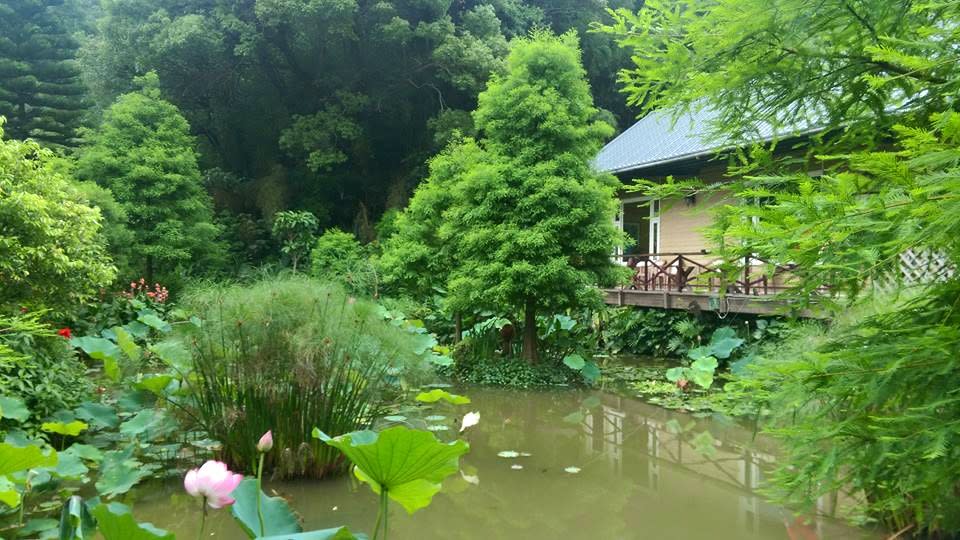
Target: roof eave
(704, 153)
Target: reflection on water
(645, 473)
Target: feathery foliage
(287, 354)
(860, 64)
(869, 408)
(518, 218)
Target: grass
(289, 354)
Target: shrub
(52, 252)
(514, 372)
(289, 354)
(338, 256)
(39, 367)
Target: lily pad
(97, 414)
(71, 429)
(116, 523)
(119, 473)
(395, 418)
(408, 464)
(278, 518)
(14, 408)
(174, 355)
(574, 362)
(15, 459)
(437, 394)
(151, 320)
(339, 533)
(76, 520)
(155, 384)
(9, 494)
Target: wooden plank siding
(682, 223)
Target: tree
(144, 154)
(867, 406)
(862, 64)
(522, 223)
(329, 106)
(40, 89)
(52, 254)
(295, 232)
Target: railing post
(681, 280)
(746, 275)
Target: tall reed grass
(287, 354)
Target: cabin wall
(682, 223)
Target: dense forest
(327, 106)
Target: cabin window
(640, 219)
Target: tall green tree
(41, 93)
(527, 225)
(52, 253)
(144, 154)
(868, 408)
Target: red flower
(151, 294)
(64, 333)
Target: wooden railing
(700, 272)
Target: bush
(868, 406)
(514, 372)
(52, 252)
(338, 256)
(290, 354)
(38, 366)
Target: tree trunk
(458, 328)
(149, 269)
(530, 352)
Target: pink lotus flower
(214, 482)
(265, 444)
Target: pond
(644, 472)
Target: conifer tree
(143, 152)
(41, 94)
(518, 220)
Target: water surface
(644, 473)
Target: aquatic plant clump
(289, 354)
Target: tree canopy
(521, 221)
(52, 254)
(328, 106)
(144, 154)
(860, 64)
(41, 93)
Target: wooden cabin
(671, 257)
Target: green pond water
(639, 478)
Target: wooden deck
(692, 281)
(730, 303)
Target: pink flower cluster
(157, 294)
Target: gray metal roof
(657, 140)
